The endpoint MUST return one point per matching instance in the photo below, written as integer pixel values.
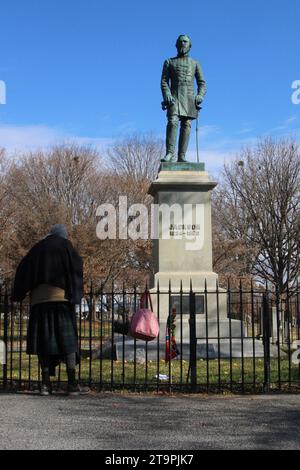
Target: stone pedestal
(184, 259)
(183, 251)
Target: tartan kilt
(52, 330)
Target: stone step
(235, 349)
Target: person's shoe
(168, 158)
(181, 160)
(75, 390)
(45, 390)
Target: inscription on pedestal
(182, 304)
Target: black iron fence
(210, 340)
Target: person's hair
(59, 230)
(183, 36)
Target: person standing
(180, 100)
(52, 272)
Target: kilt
(52, 330)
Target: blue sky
(90, 70)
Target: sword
(197, 133)
(197, 138)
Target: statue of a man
(180, 99)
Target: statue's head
(183, 45)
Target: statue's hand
(169, 100)
(198, 101)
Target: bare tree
(229, 257)
(66, 185)
(136, 157)
(7, 210)
(258, 205)
(48, 186)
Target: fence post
(266, 341)
(193, 341)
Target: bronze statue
(180, 100)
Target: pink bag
(144, 324)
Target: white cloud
(285, 125)
(127, 128)
(25, 138)
(247, 130)
(214, 159)
(14, 138)
(291, 119)
(214, 152)
(208, 130)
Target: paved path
(136, 422)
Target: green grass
(129, 376)
(212, 375)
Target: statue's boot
(168, 158)
(172, 131)
(184, 138)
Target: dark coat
(51, 261)
(178, 77)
